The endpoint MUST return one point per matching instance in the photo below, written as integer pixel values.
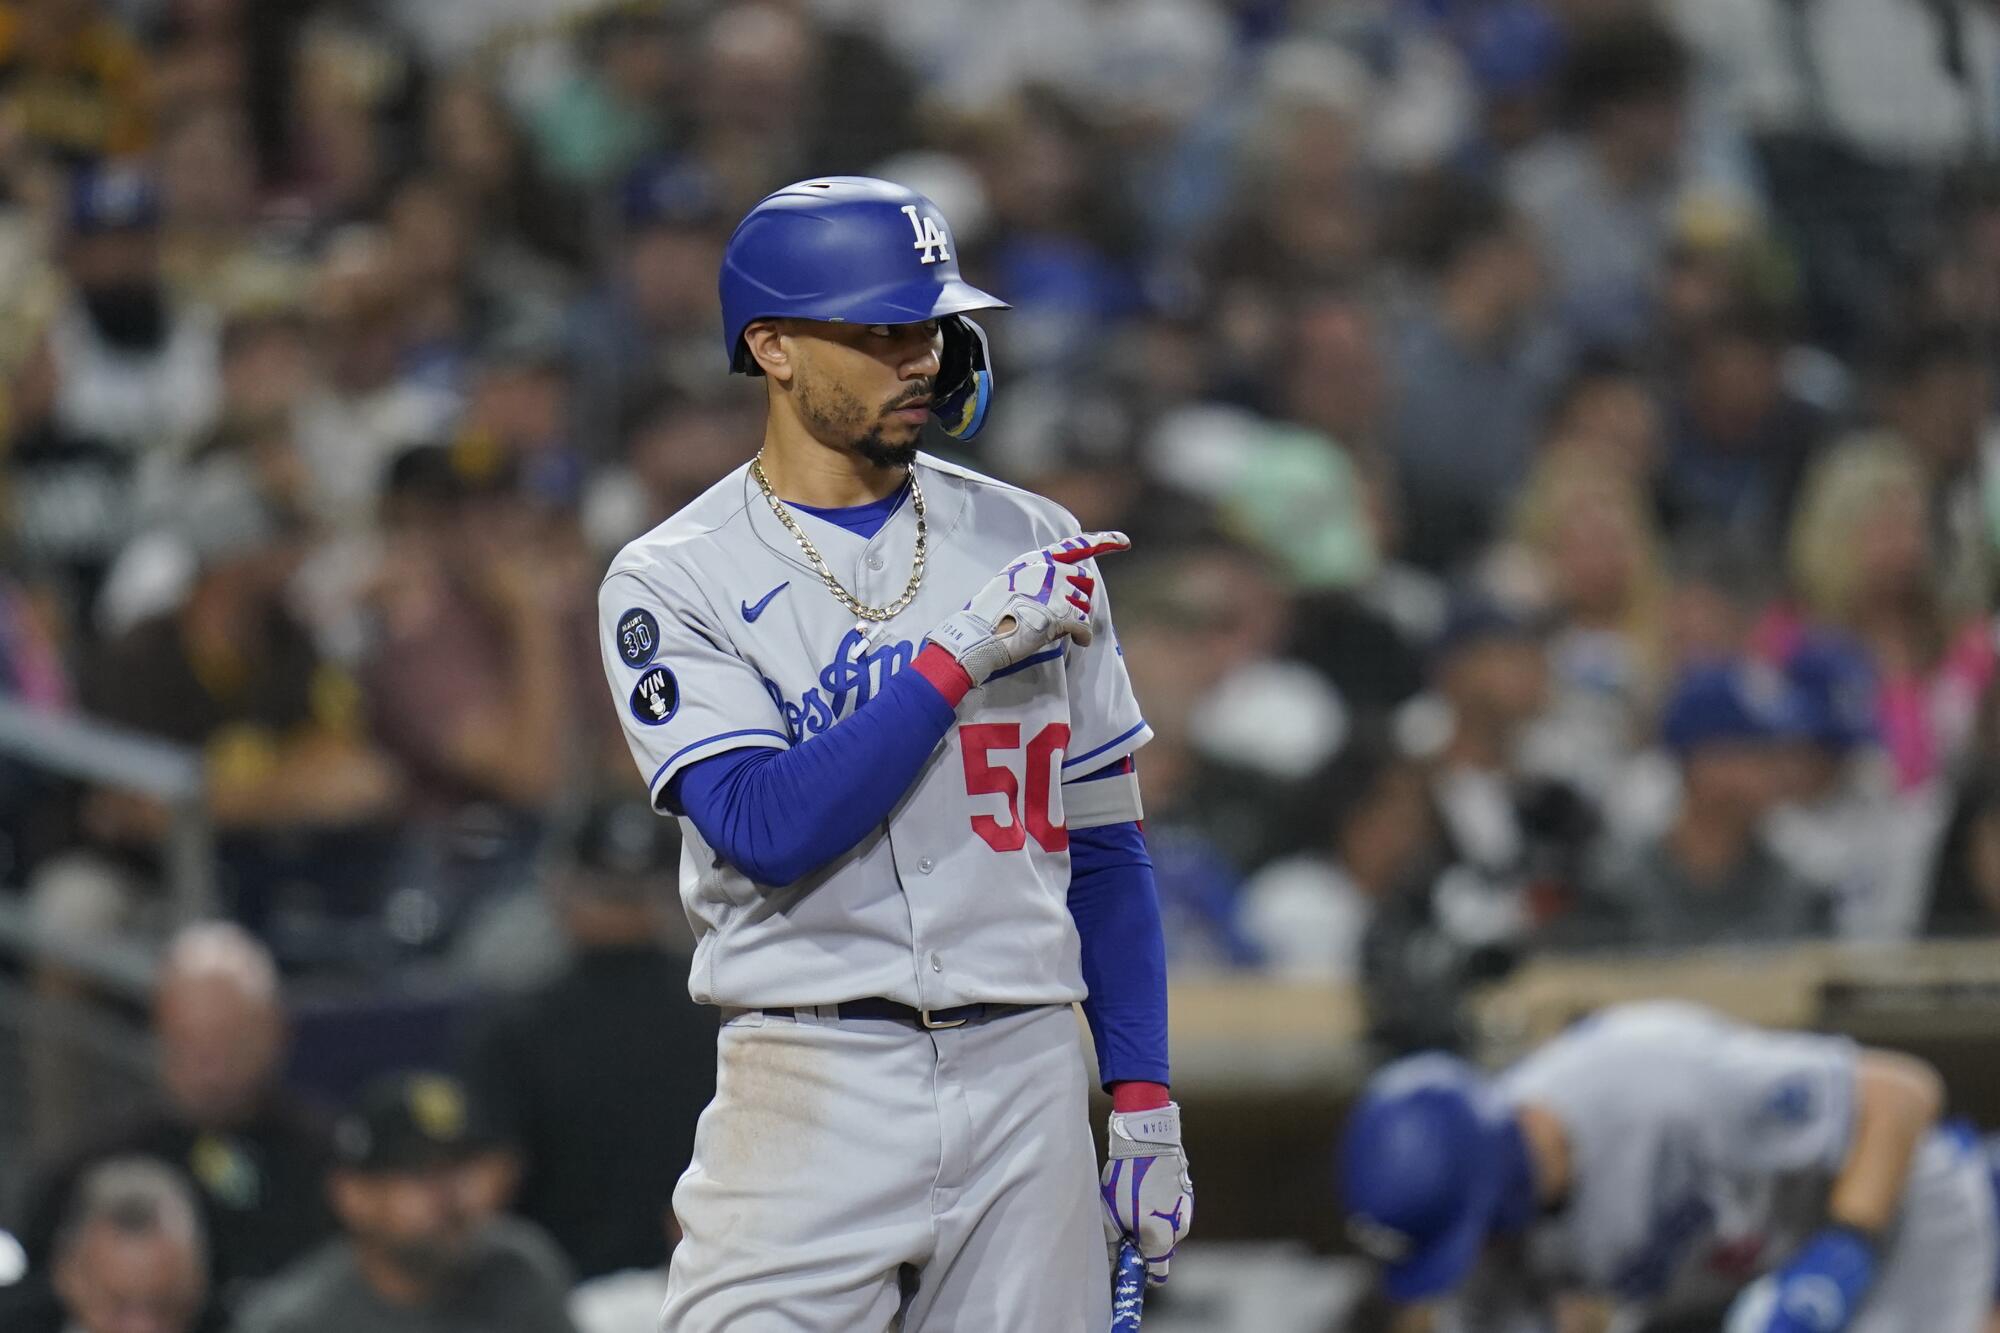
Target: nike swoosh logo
(750, 613)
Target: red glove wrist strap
(942, 670)
(1136, 1096)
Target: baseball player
(883, 697)
(1686, 1168)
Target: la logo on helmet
(930, 236)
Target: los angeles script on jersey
(845, 683)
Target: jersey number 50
(1029, 813)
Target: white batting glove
(1040, 597)
(1147, 1192)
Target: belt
(932, 1020)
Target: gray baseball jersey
(717, 634)
(1701, 1154)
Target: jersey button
(925, 865)
(875, 562)
(937, 963)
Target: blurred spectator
(779, 91)
(524, 224)
(472, 675)
(1471, 369)
(1333, 377)
(1513, 830)
(613, 109)
(1507, 839)
(1937, 406)
(1863, 564)
(129, 379)
(1845, 825)
(1054, 247)
(1857, 109)
(1586, 550)
(1965, 872)
(598, 1077)
(651, 324)
(1738, 440)
(252, 1154)
(367, 408)
(232, 670)
(1188, 619)
(135, 370)
(73, 79)
(1304, 211)
(212, 250)
(1711, 877)
(1138, 60)
(1602, 197)
(128, 1254)
(1606, 410)
(1308, 913)
(674, 449)
(424, 1250)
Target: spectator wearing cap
(598, 1076)
(1711, 877)
(424, 1250)
(126, 377)
(1845, 825)
(649, 324)
(135, 369)
(129, 1257)
(242, 1151)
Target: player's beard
(836, 414)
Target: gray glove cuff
(969, 637)
(1145, 1133)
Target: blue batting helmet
(855, 250)
(1431, 1164)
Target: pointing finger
(1094, 544)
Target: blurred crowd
(1558, 439)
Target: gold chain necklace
(813, 557)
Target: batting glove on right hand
(1042, 596)
(1148, 1194)
(1819, 1291)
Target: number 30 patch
(638, 637)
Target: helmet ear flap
(965, 379)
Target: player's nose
(926, 362)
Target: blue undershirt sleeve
(1117, 912)
(780, 815)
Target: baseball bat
(1128, 1290)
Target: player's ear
(770, 348)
